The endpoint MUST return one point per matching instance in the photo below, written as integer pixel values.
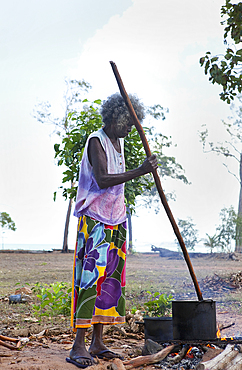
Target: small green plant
(52, 300)
(138, 307)
(22, 285)
(158, 304)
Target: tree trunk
(130, 245)
(65, 240)
(238, 246)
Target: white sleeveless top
(104, 205)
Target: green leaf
(207, 66)
(98, 101)
(56, 147)
(239, 52)
(202, 60)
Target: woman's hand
(150, 164)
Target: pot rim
(159, 318)
(194, 301)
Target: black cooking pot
(194, 320)
(159, 329)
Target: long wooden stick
(156, 178)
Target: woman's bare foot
(97, 347)
(79, 355)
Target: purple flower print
(88, 253)
(90, 256)
(108, 288)
(112, 261)
(109, 295)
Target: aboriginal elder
(100, 254)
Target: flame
(224, 338)
(189, 355)
(208, 345)
(219, 335)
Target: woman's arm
(98, 160)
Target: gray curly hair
(114, 109)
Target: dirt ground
(47, 344)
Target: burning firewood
(149, 359)
(229, 359)
(180, 355)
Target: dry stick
(2, 337)
(9, 346)
(149, 359)
(156, 178)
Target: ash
(190, 361)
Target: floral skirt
(98, 285)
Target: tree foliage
(188, 232)
(69, 152)
(229, 149)
(62, 125)
(6, 222)
(226, 231)
(72, 102)
(211, 242)
(226, 69)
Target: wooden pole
(156, 178)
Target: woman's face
(123, 126)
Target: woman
(100, 254)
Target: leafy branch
(226, 69)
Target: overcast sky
(156, 45)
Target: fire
(189, 355)
(219, 335)
(224, 338)
(209, 345)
